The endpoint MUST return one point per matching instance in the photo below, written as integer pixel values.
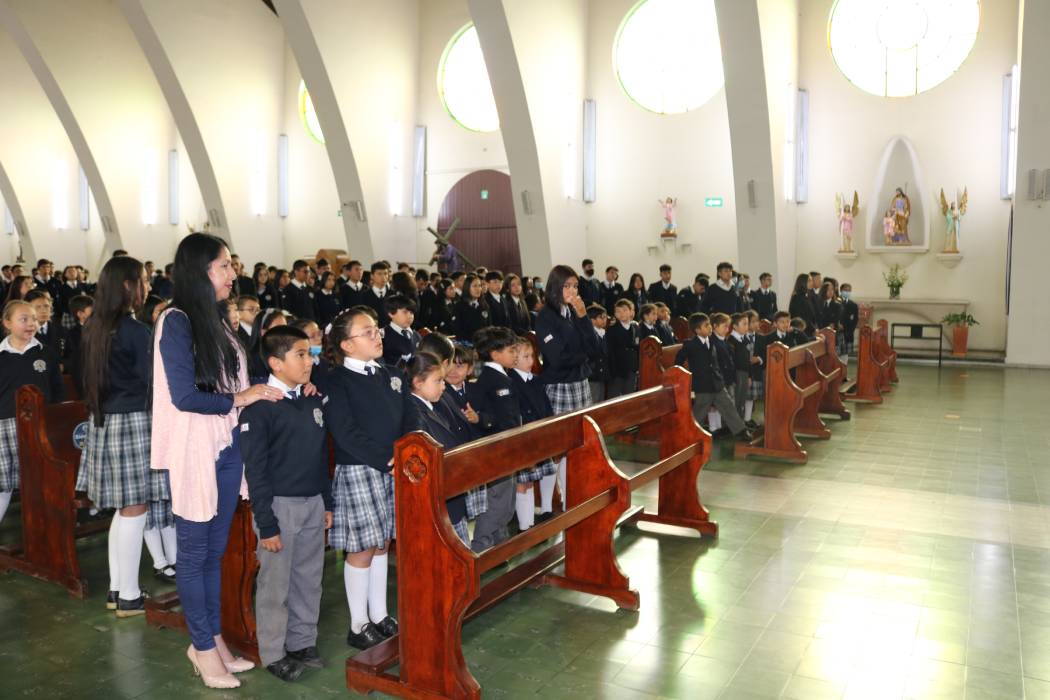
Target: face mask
(315, 350)
(845, 295)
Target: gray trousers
(725, 406)
(618, 386)
(288, 588)
(743, 379)
(597, 391)
(491, 526)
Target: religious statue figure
(846, 214)
(901, 206)
(669, 206)
(887, 227)
(953, 214)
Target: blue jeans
(201, 546)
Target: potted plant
(960, 323)
(895, 279)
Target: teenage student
(708, 384)
(518, 317)
(285, 449)
(23, 360)
(663, 291)
(498, 315)
(368, 409)
(471, 312)
(722, 296)
(377, 290)
(850, 316)
(764, 299)
(801, 305)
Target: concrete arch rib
(7, 191)
(13, 25)
(519, 139)
(301, 39)
(181, 112)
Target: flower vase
(895, 292)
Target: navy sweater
(285, 454)
(367, 414)
(130, 368)
(438, 427)
(703, 363)
(565, 344)
(492, 396)
(37, 366)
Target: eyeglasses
(371, 334)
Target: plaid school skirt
(114, 464)
(528, 476)
(8, 454)
(364, 508)
(757, 390)
(461, 530)
(477, 501)
(158, 508)
(569, 397)
(69, 321)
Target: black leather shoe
(287, 669)
(387, 627)
(308, 657)
(368, 637)
(721, 432)
(543, 517)
(745, 436)
(111, 600)
(162, 574)
(751, 424)
(131, 608)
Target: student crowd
(251, 374)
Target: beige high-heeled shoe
(224, 681)
(239, 665)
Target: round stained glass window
(308, 115)
(463, 83)
(899, 48)
(667, 55)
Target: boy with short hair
(663, 324)
(850, 316)
(742, 350)
(599, 361)
(399, 340)
(285, 454)
(764, 299)
(622, 340)
(498, 315)
(298, 295)
(663, 290)
(708, 384)
(377, 291)
(247, 309)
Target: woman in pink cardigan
(200, 381)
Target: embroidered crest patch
(244, 427)
(395, 384)
(40, 366)
(80, 435)
(548, 339)
(318, 417)
(503, 392)
(484, 314)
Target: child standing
(664, 332)
(622, 339)
(368, 410)
(534, 405)
(399, 340)
(492, 396)
(744, 358)
(648, 325)
(23, 360)
(285, 454)
(708, 384)
(599, 376)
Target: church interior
(879, 529)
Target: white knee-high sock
(5, 501)
(130, 538)
(749, 408)
(547, 493)
(377, 588)
(561, 481)
(114, 552)
(171, 549)
(356, 582)
(714, 420)
(524, 506)
(156, 548)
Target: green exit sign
(713, 202)
(484, 194)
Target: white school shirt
(355, 365)
(278, 384)
(498, 367)
(6, 346)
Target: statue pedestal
(949, 260)
(846, 257)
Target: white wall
(643, 157)
(956, 130)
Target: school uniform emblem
(40, 366)
(484, 314)
(395, 384)
(80, 435)
(318, 418)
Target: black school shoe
(751, 424)
(162, 574)
(368, 637)
(111, 600)
(131, 608)
(307, 657)
(287, 669)
(387, 627)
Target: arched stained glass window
(667, 55)
(899, 48)
(308, 115)
(463, 83)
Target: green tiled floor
(782, 605)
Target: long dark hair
(215, 360)
(14, 292)
(630, 285)
(119, 292)
(801, 285)
(553, 291)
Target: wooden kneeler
(867, 386)
(48, 463)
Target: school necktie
(370, 370)
(293, 394)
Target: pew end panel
(808, 374)
(783, 401)
(866, 387)
(680, 326)
(834, 368)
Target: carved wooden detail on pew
(48, 463)
(680, 326)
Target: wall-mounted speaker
(752, 201)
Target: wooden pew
(791, 405)
(832, 366)
(654, 358)
(866, 385)
(439, 578)
(680, 326)
(48, 463)
(885, 354)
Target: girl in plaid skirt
(23, 360)
(567, 338)
(369, 408)
(114, 464)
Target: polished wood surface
(867, 386)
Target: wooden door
(487, 233)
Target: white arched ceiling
(181, 112)
(16, 30)
(300, 36)
(7, 192)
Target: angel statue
(901, 206)
(669, 206)
(953, 215)
(846, 214)
(888, 224)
